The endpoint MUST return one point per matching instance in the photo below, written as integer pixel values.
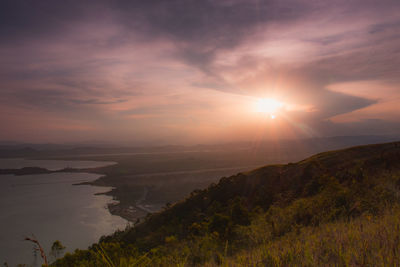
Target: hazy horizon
(352, 140)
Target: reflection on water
(51, 208)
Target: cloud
(97, 101)
(102, 60)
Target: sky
(186, 72)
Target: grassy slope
(363, 241)
(328, 209)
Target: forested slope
(338, 207)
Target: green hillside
(335, 208)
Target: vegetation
(336, 208)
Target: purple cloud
(194, 62)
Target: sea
(49, 207)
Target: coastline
(126, 211)
(138, 190)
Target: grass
(364, 241)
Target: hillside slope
(322, 210)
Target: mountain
(308, 146)
(334, 208)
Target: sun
(269, 106)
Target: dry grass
(365, 241)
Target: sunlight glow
(269, 106)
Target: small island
(36, 170)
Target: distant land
(36, 170)
(10, 149)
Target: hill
(334, 208)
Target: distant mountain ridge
(309, 146)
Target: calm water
(51, 208)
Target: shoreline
(129, 213)
(129, 200)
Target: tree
(57, 249)
(39, 248)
